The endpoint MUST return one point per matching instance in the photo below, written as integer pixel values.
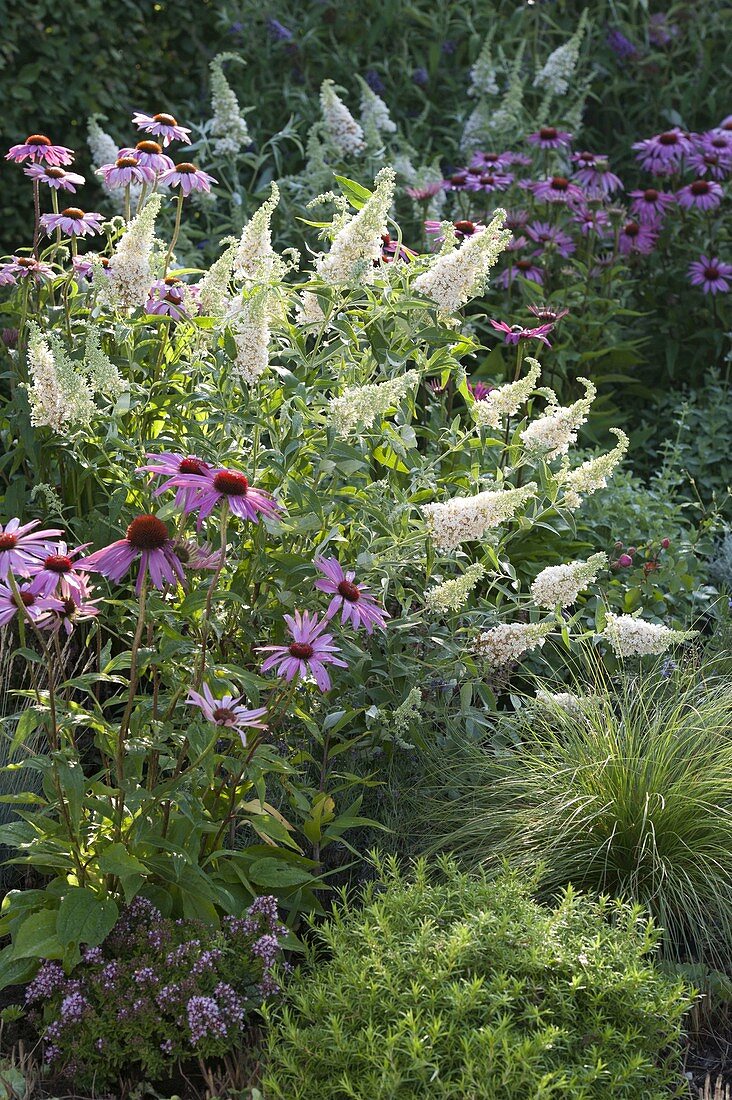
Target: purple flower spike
(355, 602)
(309, 652)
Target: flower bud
(624, 561)
(618, 545)
(631, 550)
(665, 543)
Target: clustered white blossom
(592, 474)
(553, 433)
(488, 123)
(59, 396)
(130, 270)
(308, 310)
(558, 69)
(560, 585)
(483, 72)
(341, 128)
(632, 637)
(102, 147)
(574, 705)
(367, 404)
(457, 275)
(375, 118)
(213, 289)
(466, 518)
(407, 713)
(256, 261)
(228, 125)
(357, 244)
(506, 642)
(251, 332)
(506, 400)
(451, 595)
(104, 378)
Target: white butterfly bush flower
(130, 267)
(557, 72)
(251, 331)
(506, 400)
(452, 595)
(505, 643)
(459, 274)
(463, 519)
(256, 260)
(375, 118)
(593, 474)
(483, 72)
(367, 404)
(308, 310)
(228, 125)
(213, 289)
(104, 378)
(59, 396)
(102, 146)
(357, 244)
(573, 705)
(552, 435)
(560, 585)
(629, 636)
(341, 128)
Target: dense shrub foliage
(455, 986)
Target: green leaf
(275, 873)
(116, 860)
(37, 937)
(85, 918)
(14, 971)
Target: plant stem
(125, 723)
(37, 216)
(210, 594)
(176, 231)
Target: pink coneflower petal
(39, 148)
(56, 178)
(700, 194)
(126, 171)
(549, 137)
(512, 334)
(22, 547)
(187, 177)
(711, 274)
(355, 602)
(73, 222)
(163, 126)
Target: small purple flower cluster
(157, 990)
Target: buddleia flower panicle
(228, 125)
(104, 377)
(560, 585)
(507, 642)
(553, 433)
(213, 288)
(452, 595)
(130, 268)
(375, 118)
(405, 716)
(458, 275)
(574, 705)
(483, 71)
(557, 71)
(630, 636)
(256, 261)
(488, 124)
(592, 475)
(59, 396)
(356, 247)
(506, 400)
(367, 404)
(343, 132)
(308, 310)
(251, 333)
(464, 519)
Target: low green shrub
(627, 791)
(465, 988)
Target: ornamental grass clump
(455, 986)
(626, 791)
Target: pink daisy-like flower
(196, 556)
(73, 222)
(480, 390)
(548, 137)
(425, 192)
(715, 141)
(21, 546)
(228, 712)
(149, 154)
(650, 206)
(591, 220)
(527, 269)
(488, 182)
(463, 228)
(389, 247)
(38, 147)
(56, 572)
(354, 601)
(700, 194)
(84, 269)
(493, 162)
(309, 652)
(663, 153)
(546, 314)
(163, 126)
(6, 276)
(557, 189)
(126, 170)
(520, 159)
(711, 274)
(27, 267)
(148, 539)
(706, 163)
(37, 607)
(211, 486)
(187, 177)
(168, 298)
(458, 181)
(551, 237)
(57, 178)
(725, 124)
(172, 466)
(513, 333)
(516, 219)
(593, 173)
(75, 609)
(637, 237)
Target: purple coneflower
(700, 194)
(228, 712)
(705, 162)
(172, 466)
(551, 237)
(354, 601)
(480, 390)
(21, 547)
(557, 189)
(516, 219)
(513, 333)
(545, 313)
(168, 298)
(84, 269)
(593, 173)
(548, 137)
(711, 274)
(74, 610)
(149, 154)
(521, 159)
(389, 248)
(148, 539)
(56, 572)
(27, 267)
(196, 556)
(38, 147)
(125, 171)
(73, 222)
(650, 206)
(309, 652)
(488, 182)
(715, 141)
(37, 607)
(458, 181)
(663, 153)
(463, 228)
(491, 161)
(527, 269)
(57, 178)
(637, 237)
(162, 126)
(6, 276)
(425, 192)
(187, 177)
(725, 124)
(211, 486)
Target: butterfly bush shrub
(287, 530)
